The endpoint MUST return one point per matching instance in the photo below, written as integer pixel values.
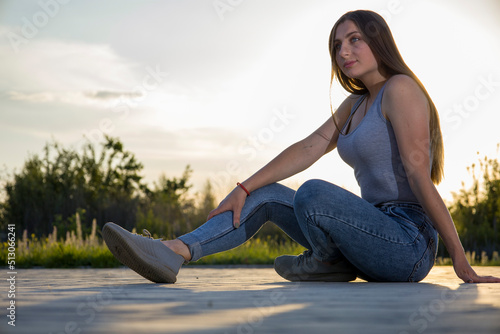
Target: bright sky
(225, 85)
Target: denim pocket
(426, 262)
(411, 220)
(409, 215)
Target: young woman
(388, 131)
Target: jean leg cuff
(193, 245)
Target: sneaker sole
(133, 257)
(334, 277)
(340, 272)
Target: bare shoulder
(401, 94)
(401, 85)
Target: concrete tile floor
(246, 300)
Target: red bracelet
(242, 187)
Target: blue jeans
(389, 242)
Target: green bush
(72, 252)
(75, 251)
(254, 251)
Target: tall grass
(76, 250)
(254, 251)
(474, 259)
(72, 251)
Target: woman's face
(352, 53)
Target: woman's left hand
(465, 272)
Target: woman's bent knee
(303, 195)
(311, 190)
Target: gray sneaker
(305, 267)
(146, 256)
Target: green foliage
(80, 250)
(476, 211)
(75, 251)
(103, 184)
(74, 193)
(71, 252)
(167, 209)
(50, 189)
(255, 251)
(474, 259)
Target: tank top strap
(380, 94)
(353, 110)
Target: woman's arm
(301, 155)
(296, 158)
(291, 161)
(407, 108)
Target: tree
(476, 211)
(166, 209)
(207, 202)
(51, 189)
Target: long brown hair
(379, 38)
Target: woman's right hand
(233, 202)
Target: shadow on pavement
(204, 303)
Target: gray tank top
(372, 151)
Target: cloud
(76, 73)
(56, 65)
(110, 95)
(102, 99)
(31, 97)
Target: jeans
(393, 241)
